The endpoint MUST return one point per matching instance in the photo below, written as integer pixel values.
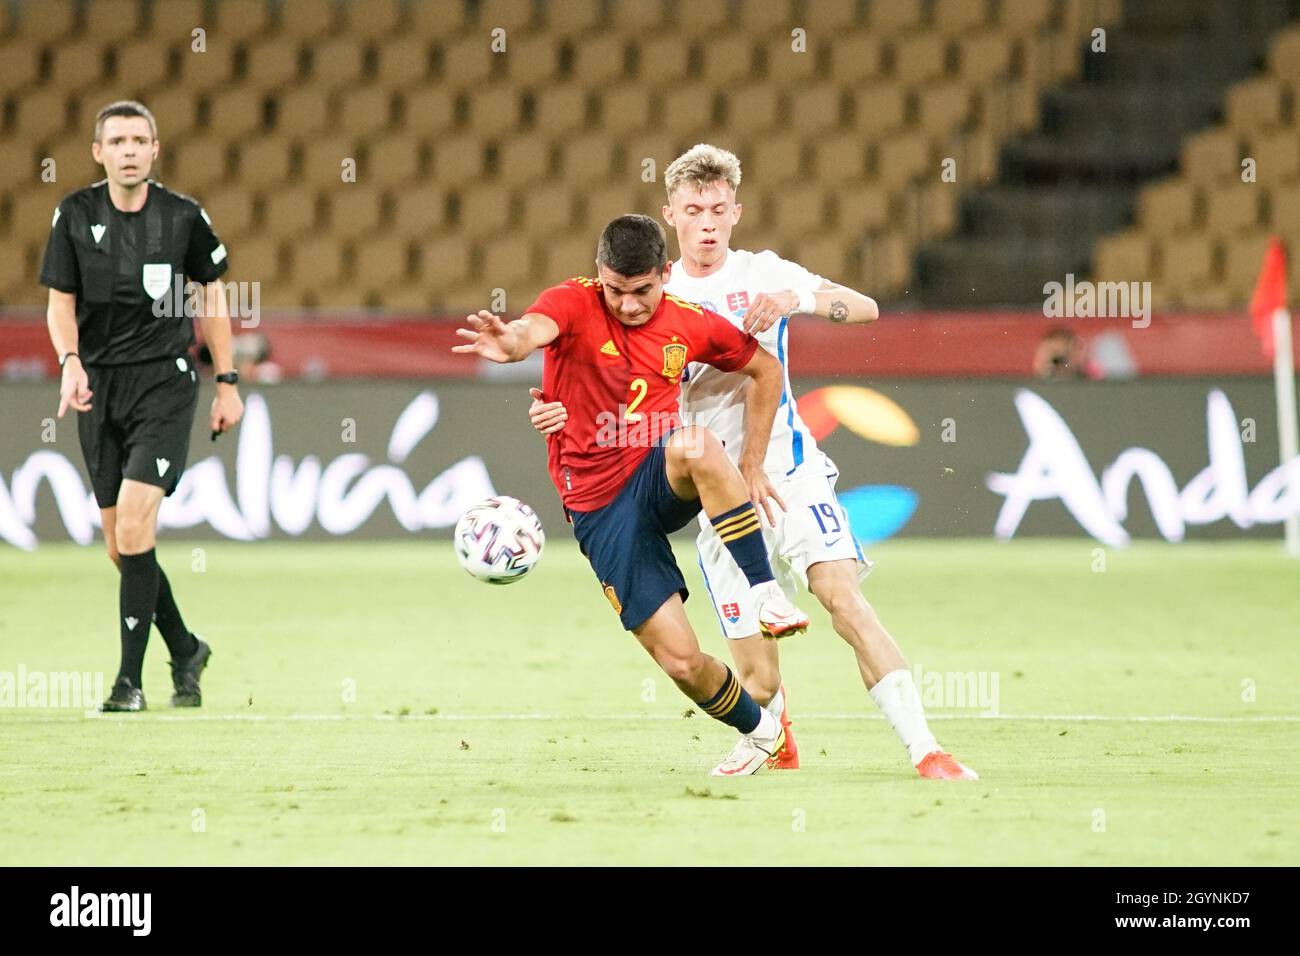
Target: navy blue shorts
(627, 541)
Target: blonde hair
(701, 165)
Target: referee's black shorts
(139, 424)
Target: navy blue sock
(137, 597)
(741, 533)
(732, 705)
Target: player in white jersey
(808, 534)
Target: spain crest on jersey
(674, 360)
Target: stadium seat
(603, 203)
(199, 162)
(1167, 207)
(484, 210)
(176, 20)
(727, 59)
(111, 21)
(1256, 104)
(687, 110)
(78, 65)
(895, 16)
(763, 19)
(943, 107)
(405, 62)
(337, 62)
(40, 115)
(428, 110)
(822, 254)
(257, 259)
(272, 63)
(511, 15)
(176, 111)
(382, 262)
(1211, 155)
(1187, 260)
(956, 18)
(636, 17)
(984, 57)
(408, 297)
(796, 210)
(75, 166)
(547, 208)
(1024, 16)
(662, 59)
(508, 264)
(141, 65)
(302, 110)
(494, 109)
(830, 19)
(444, 260)
(1123, 257)
(290, 211)
(901, 158)
(532, 60)
(355, 209)
(373, 19)
(1284, 206)
(587, 158)
(773, 161)
(1284, 56)
(856, 58)
(317, 259)
(524, 159)
(231, 210)
(393, 159)
(420, 212)
(467, 62)
(200, 71)
(22, 65)
(23, 162)
(31, 212)
(662, 147)
(323, 161)
(457, 159)
(365, 111)
(754, 108)
(46, 22)
(1277, 155)
(600, 59)
(306, 19)
(436, 18)
(265, 161)
(1232, 208)
(920, 58)
(625, 109)
(859, 209)
(1242, 258)
(815, 110)
(236, 113)
(239, 20)
(569, 256)
(880, 108)
(561, 109)
(789, 66)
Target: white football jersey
(716, 399)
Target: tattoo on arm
(839, 312)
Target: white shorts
(813, 528)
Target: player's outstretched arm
(547, 417)
(761, 401)
(504, 342)
(830, 301)
(61, 317)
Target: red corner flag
(1270, 294)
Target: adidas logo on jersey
(609, 349)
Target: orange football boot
(786, 756)
(940, 765)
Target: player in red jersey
(629, 474)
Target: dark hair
(632, 245)
(124, 108)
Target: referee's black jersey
(118, 264)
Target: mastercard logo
(875, 512)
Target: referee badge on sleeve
(157, 278)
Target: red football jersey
(621, 384)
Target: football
(499, 540)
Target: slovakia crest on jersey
(731, 612)
(738, 302)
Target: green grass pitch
(370, 703)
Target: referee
(114, 253)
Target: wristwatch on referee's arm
(228, 378)
(63, 359)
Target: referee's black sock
(137, 597)
(741, 533)
(180, 642)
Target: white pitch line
(336, 718)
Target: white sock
(768, 726)
(776, 704)
(898, 700)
